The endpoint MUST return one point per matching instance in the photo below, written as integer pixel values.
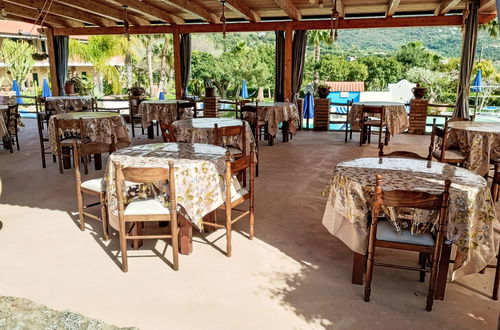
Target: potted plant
(323, 91)
(137, 91)
(209, 88)
(40, 56)
(419, 92)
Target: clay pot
(323, 92)
(419, 92)
(69, 87)
(210, 92)
(137, 91)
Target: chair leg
(370, 261)
(132, 124)
(59, 159)
(252, 220)
(422, 260)
(79, 198)
(228, 231)
(123, 246)
(175, 242)
(361, 135)
(104, 217)
(17, 141)
(432, 282)
(496, 283)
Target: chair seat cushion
(239, 194)
(234, 151)
(450, 155)
(145, 206)
(94, 185)
(387, 232)
(70, 140)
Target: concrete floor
(293, 275)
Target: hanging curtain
(185, 49)
(298, 59)
(467, 61)
(61, 56)
(279, 95)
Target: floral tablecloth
(479, 141)
(161, 110)
(199, 177)
(63, 104)
(201, 130)
(471, 213)
(395, 115)
(3, 127)
(98, 126)
(273, 113)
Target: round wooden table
(479, 141)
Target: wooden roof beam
(32, 21)
(33, 14)
(340, 8)
(290, 9)
(106, 10)
(392, 7)
(146, 8)
(487, 5)
(194, 8)
(243, 10)
(445, 6)
(65, 11)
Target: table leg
(284, 130)
(66, 156)
(358, 268)
(98, 162)
(211, 217)
(442, 275)
(185, 235)
(151, 132)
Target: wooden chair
(368, 122)
(399, 154)
(382, 233)
(231, 131)
(93, 187)
(147, 210)
(444, 155)
(234, 103)
(75, 127)
(250, 114)
(239, 197)
(495, 184)
(348, 128)
(168, 132)
(134, 115)
(41, 117)
(12, 124)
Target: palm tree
(98, 51)
(316, 38)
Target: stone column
(321, 114)
(418, 116)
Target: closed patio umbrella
(162, 96)
(46, 92)
(477, 87)
(15, 88)
(308, 107)
(244, 90)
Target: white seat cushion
(145, 206)
(234, 151)
(94, 184)
(239, 193)
(387, 232)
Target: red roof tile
(346, 86)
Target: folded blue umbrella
(46, 92)
(15, 88)
(477, 85)
(162, 96)
(308, 106)
(244, 90)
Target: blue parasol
(477, 85)
(244, 90)
(162, 96)
(308, 106)
(15, 88)
(46, 89)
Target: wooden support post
(177, 62)
(288, 61)
(49, 33)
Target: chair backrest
(399, 154)
(12, 115)
(440, 133)
(241, 164)
(134, 103)
(228, 131)
(496, 175)
(412, 199)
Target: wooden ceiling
(107, 16)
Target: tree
(99, 50)
(414, 54)
(381, 71)
(336, 68)
(441, 87)
(202, 65)
(316, 38)
(491, 27)
(17, 56)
